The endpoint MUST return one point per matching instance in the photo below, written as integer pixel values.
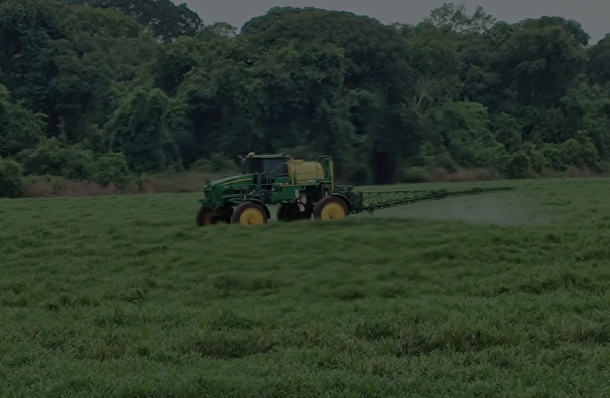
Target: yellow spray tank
(301, 172)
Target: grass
(506, 294)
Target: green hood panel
(232, 180)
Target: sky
(591, 14)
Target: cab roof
(269, 156)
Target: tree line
(103, 89)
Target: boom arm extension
(371, 201)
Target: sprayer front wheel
(331, 208)
(205, 217)
(250, 214)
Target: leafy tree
(507, 131)
(542, 59)
(375, 53)
(468, 138)
(376, 62)
(163, 17)
(599, 61)
(108, 23)
(45, 65)
(221, 29)
(99, 89)
(48, 158)
(11, 173)
(173, 62)
(518, 166)
(454, 17)
(139, 129)
(111, 168)
(19, 128)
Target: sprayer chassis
(244, 199)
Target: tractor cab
(269, 167)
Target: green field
(504, 294)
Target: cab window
(274, 167)
(251, 166)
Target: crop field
(503, 295)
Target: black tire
(224, 214)
(330, 202)
(259, 214)
(205, 217)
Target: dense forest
(100, 90)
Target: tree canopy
(147, 86)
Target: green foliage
(78, 164)
(599, 61)
(139, 129)
(464, 127)
(11, 174)
(19, 128)
(52, 158)
(366, 103)
(111, 168)
(148, 79)
(48, 158)
(578, 151)
(542, 58)
(414, 175)
(216, 163)
(454, 18)
(47, 65)
(507, 131)
(173, 62)
(518, 166)
(163, 17)
(107, 23)
(537, 160)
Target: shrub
(78, 163)
(46, 159)
(445, 161)
(518, 166)
(415, 175)
(50, 157)
(112, 169)
(216, 163)
(427, 159)
(11, 174)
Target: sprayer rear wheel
(331, 208)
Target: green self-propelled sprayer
(300, 189)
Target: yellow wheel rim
(207, 218)
(332, 211)
(251, 216)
